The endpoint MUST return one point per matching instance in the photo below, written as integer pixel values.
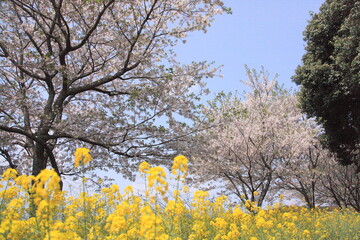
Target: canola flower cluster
(35, 208)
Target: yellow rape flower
(219, 224)
(201, 195)
(24, 181)
(111, 215)
(82, 156)
(306, 233)
(129, 190)
(157, 175)
(180, 164)
(49, 177)
(10, 173)
(144, 167)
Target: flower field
(35, 208)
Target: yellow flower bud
(82, 156)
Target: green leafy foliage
(329, 76)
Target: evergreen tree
(330, 78)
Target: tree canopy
(97, 74)
(330, 76)
(260, 144)
(251, 141)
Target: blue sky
(259, 33)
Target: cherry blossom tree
(97, 74)
(340, 185)
(251, 141)
(301, 175)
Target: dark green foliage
(330, 76)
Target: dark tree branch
(8, 158)
(111, 93)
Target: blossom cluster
(35, 208)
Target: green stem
(84, 202)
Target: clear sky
(259, 33)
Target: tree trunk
(41, 156)
(40, 159)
